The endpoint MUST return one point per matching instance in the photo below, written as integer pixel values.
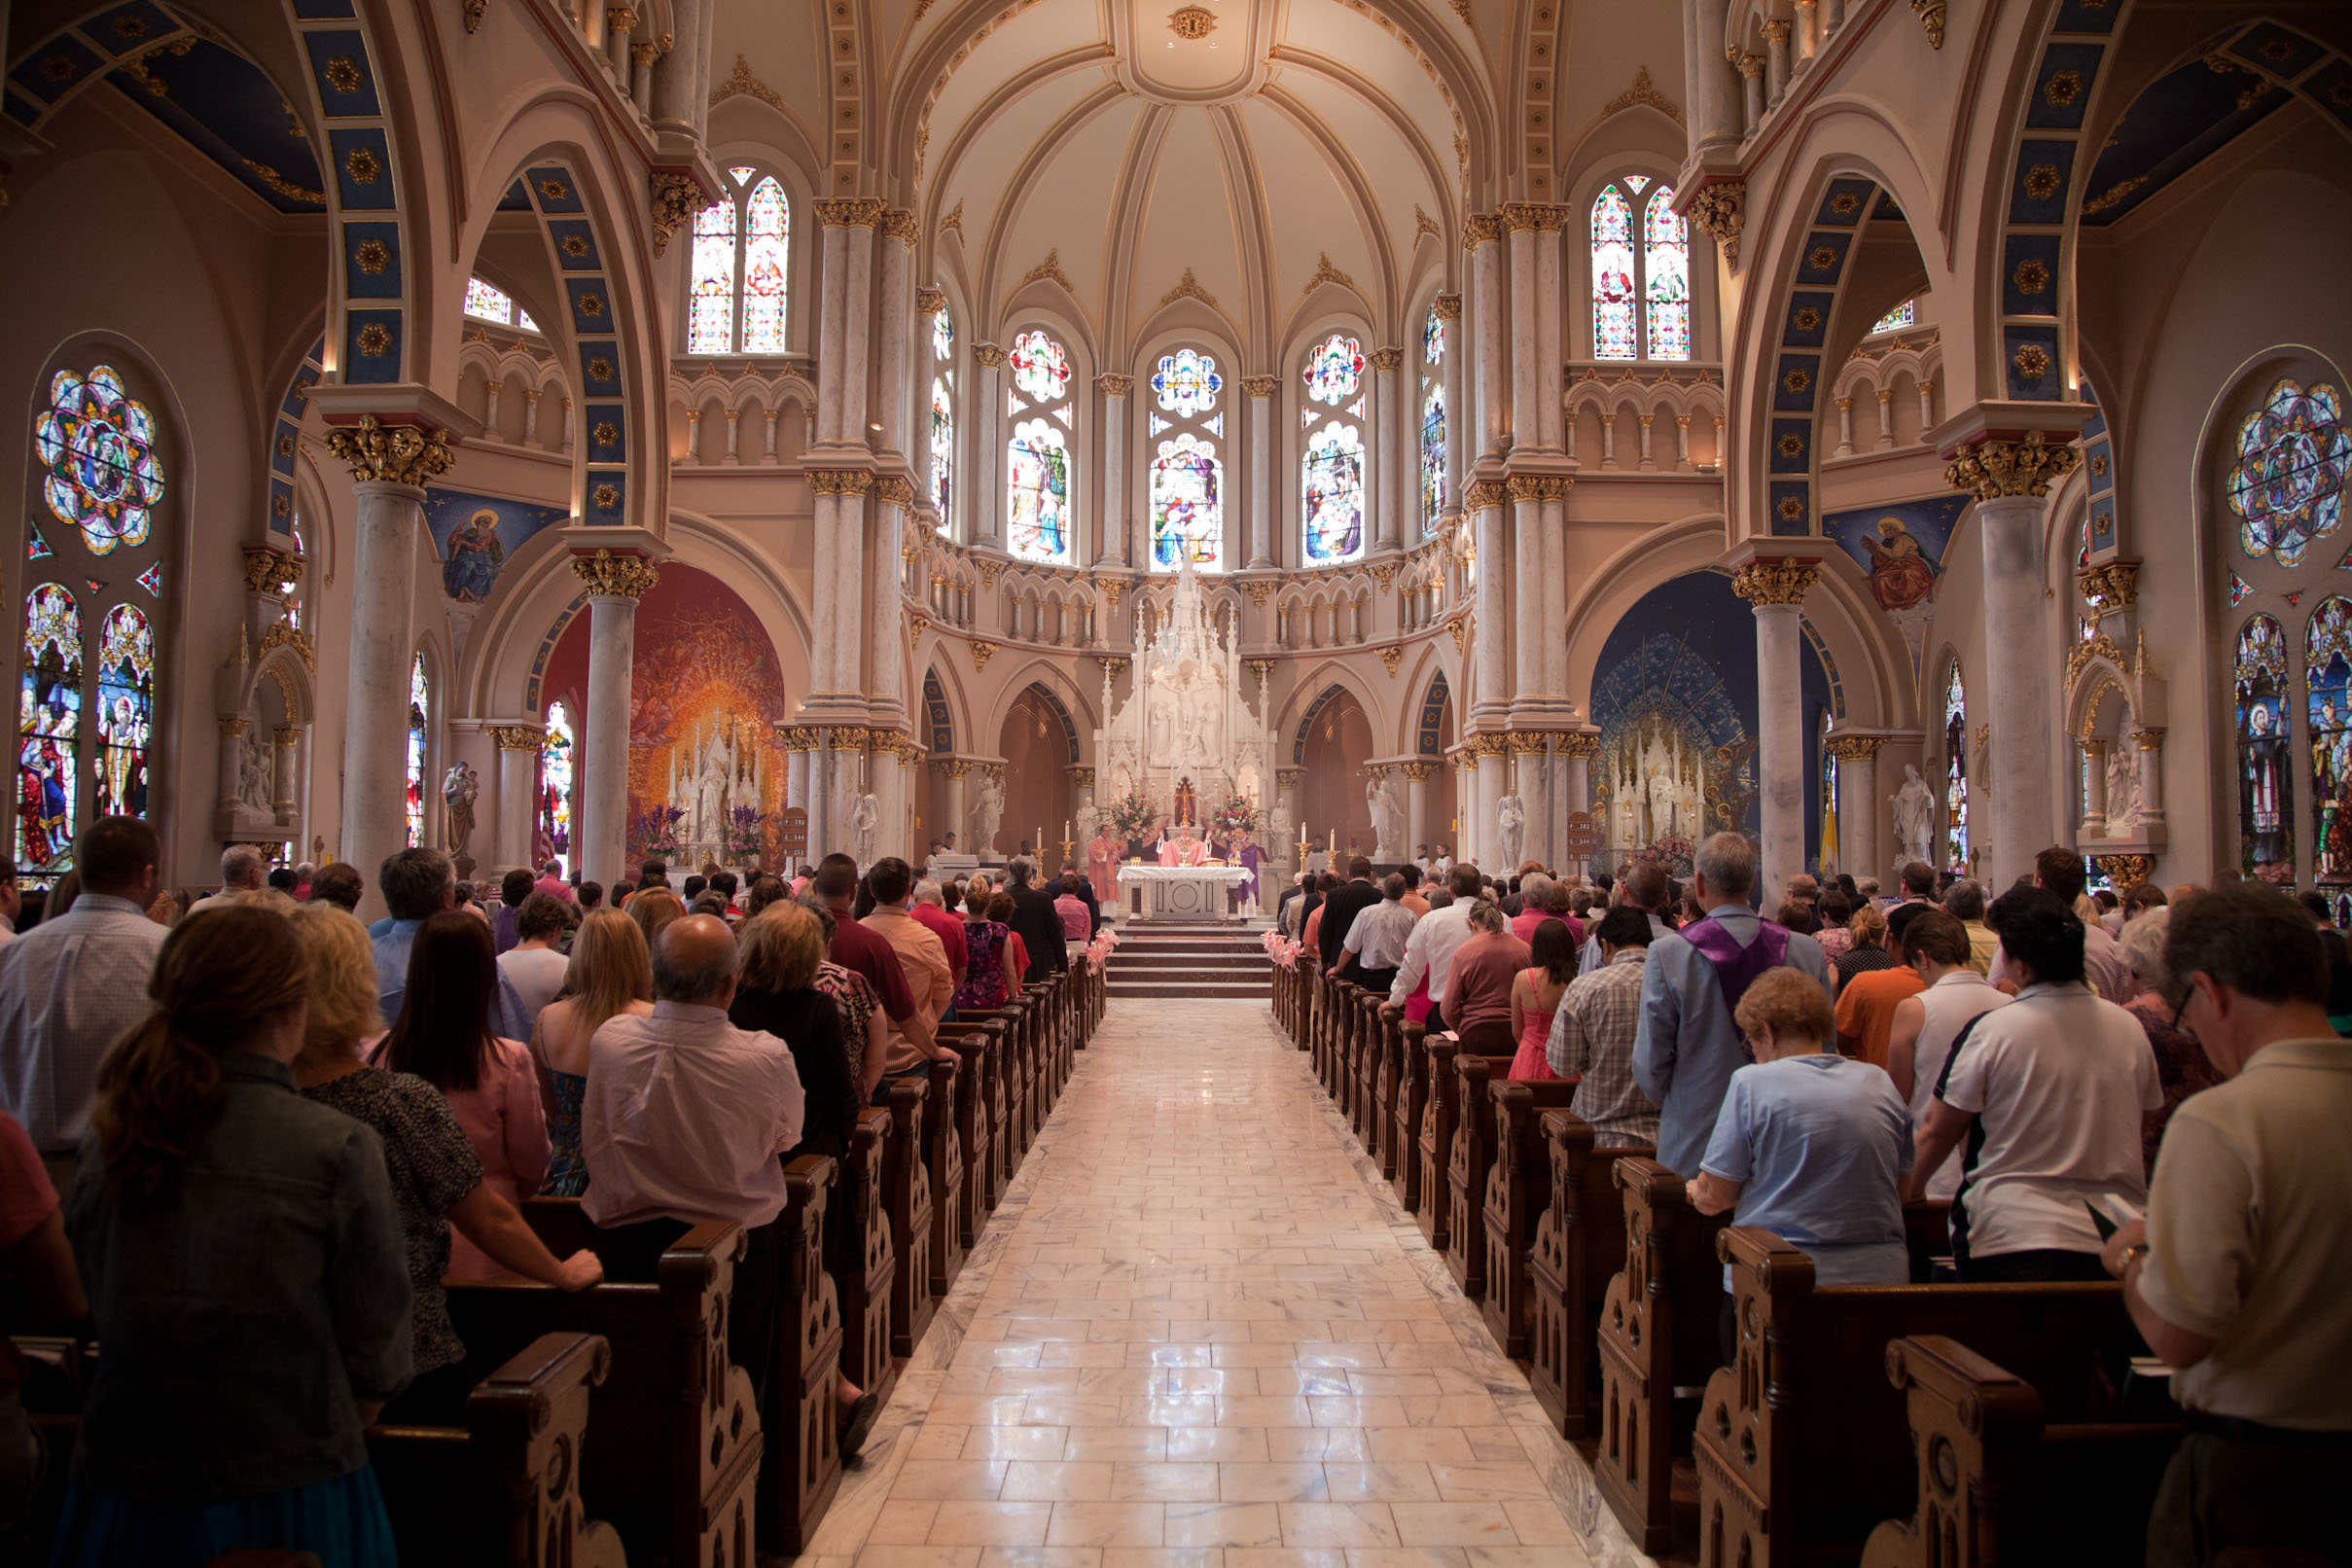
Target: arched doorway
(1334, 742)
(1039, 743)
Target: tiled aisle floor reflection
(1200, 1333)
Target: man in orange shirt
(1865, 1004)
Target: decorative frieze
(850, 212)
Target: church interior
(1509, 431)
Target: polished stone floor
(1200, 1333)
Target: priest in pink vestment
(1184, 849)
(1102, 855)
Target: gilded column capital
(1539, 486)
(1775, 582)
(1083, 777)
(1776, 31)
(1718, 209)
(988, 356)
(2149, 739)
(675, 197)
(380, 453)
(1261, 386)
(1991, 470)
(844, 736)
(952, 768)
(981, 653)
(1480, 228)
(929, 301)
(1289, 778)
(1386, 360)
(234, 729)
(850, 212)
(1263, 668)
(1415, 773)
(2114, 586)
(1112, 386)
(517, 736)
(1539, 216)
(796, 736)
(840, 481)
(1527, 742)
(607, 576)
(1484, 495)
(1855, 748)
(1580, 743)
(287, 736)
(1446, 307)
(899, 225)
(894, 489)
(271, 571)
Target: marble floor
(1200, 1333)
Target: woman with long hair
(1477, 989)
(1017, 959)
(245, 1265)
(654, 908)
(611, 973)
(437, 1181)
(444, 1037)
(990, 976)
(1535, 995)
(865, 1031)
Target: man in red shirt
(930, 908)
(856, 949)
(44, 1291)
(551, 883)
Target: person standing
(1341, 907)
(1479, 988)
(1035, 921)
(1867, 1003)
(2236, 1278)
(1375, 944)
(1594, 1032)
(1429, 953)
(922, 960)
(1919, 1040)
(1535, 996)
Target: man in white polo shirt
(2237, 1278)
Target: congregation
(250, 1145)
(2140, 1085)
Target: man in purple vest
(1687, 1047)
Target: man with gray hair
(1688, 1048)
(1964, 902)
(930, 906)
(242, 869)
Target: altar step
(1204, 963)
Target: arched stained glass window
(126, 690)
(1039, 482)
(1666, 276)
(1331, 471)
(2328, 706)
(49, 728)
(1433, 421)
(2287, 486)
(488, 303)
(1955, 773)
(1613, 299)
(739, 275)
(420, 717)
(1905, 314)
(943, 417)
(1335, 371)
(2266, 804)
(1187, 475)
(556, 783)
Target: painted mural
(706, 774)
(1674, 695)
(1900, 548)
(474, 535)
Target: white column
(530, 417)
(1751, 91)
(1525, 581)
(1481, 233)
(1859, 851)
(1552, 350)
(1114, 513)
(1526, 310)
(1551, 631)
(1776, 59)
(769, 453)
(833, 322)
(956, 770)
(1389, 430)
(375, 724)
(1260, 389)
(489, 408)
(1492, 785)
(517, 790)
(2094, 777)
(1886, 417)
(858, 339)
(886, 615)
(985, 503)
(1845, 427)
(896, 307)
(1490, 661)
(2017, 687)
(614, 585)
(1416, 805)
(1777, 589)
(232, 748)
(734, 431)
(1710, 85)
(284, 777)
(2150, 744)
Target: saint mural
(1900, 573)
(476, 552)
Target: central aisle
(1200, 1333)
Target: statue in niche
(1662, 803)
(1387, 818)
(1914, 807)
(987, 814)
(2122, 782)
(460, 790)
(1511, 830)
(863, 818)
(253, 769)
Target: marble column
(846, 776)
(1550, 330)
(1776, 59)
(2019, 690)
(285, 779)
(489, 408)
(1493, 783)
(955, 771)
(641, 90)
(518, 785)
(1115, 514)
(1490, 671)
(885, 618)
(613, 582)
(618, 21)
(233, 747)
(2093, 785)
(833, 323)
(896, 307)
(1526, 584)
(1531, 781)
(928, 304)
(1521, 221)
(676, 87)
(1388, 429)
(837, 663)
(530, 415)
(1286, 782)
(1416, 805)
(986, 508)
(1777, 590)
(857, 343)
(886, 781)
(1551, 629)
(2150, 744)
(1751, 91)
(1483, 233)
(1710, 85)
(1577, 749)
(1859, 852)
(1260, 389)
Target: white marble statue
(253, 769)
(1661, 804)
(1387, 819)
(1285, 829)
(863, 818)
(987, 814)
(2122, 787)
(1914, 816)
(1510, 824)
(460, 790)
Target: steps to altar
(1203, 962)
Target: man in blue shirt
(1688, 1046)
(417, 884)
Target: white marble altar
(1187, 719)
(1177, 891)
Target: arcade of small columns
(1522, 733)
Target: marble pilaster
(518, 786)
(1777, 590)
(613, 582)
(1260, 389)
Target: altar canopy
(1187, 737)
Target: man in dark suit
(1341, 908)
(1036, 919)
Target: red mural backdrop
(704, 668)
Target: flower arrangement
(1237, 815)
(655, 830)
(746, 831)
(1131, 816)
(1279, 948)
(1675, 852)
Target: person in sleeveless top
(1535, 995)
(1927, 1026)
(611, 974)
(1688, 1046)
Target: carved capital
(1776, 31)
(1580, 743)
(2149, 739)
(845, 737)
(840, 481)
(1263, 668)
(1775, 582)
(1260, 591)
(1480, 228)
(850, 212)
(1385, 573)
(1446, 307)
(1855, 748)
(952, 768)
(1718, 209)
(286, 736)
(1261, 386)
(1460, 627)
(930, 302)
(1083, 777)
(607, 576)
(675, 199)
(796, 736)
(1415, 772)
(1386, 360)
(899, 223)
(234, 729)
(517, 736)
(1538, 486)
(391, 454)
(1528, 742)
(1289, 778)
(894, 489)
(1114, 386)
(2114, 586)
(988, 356)
(1484, 495)
(274, 572)
(1539, 216)
(1990, 469)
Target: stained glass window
(2239, 587)
(488, 303)
(1433, 457)
(1038, 480)
(767, 225)
(942, 333)
(1955, 773)
(523, 321)
(2328, 704)
(1333, 494)
(1613, 299)
(126, 690)
(2266, 791)
(1187, 383)
(943, 417)
(35, 545)
(1666, 276)
(1334, 370)
(420, 716)
(556, 782)
(710, 313)
(1433, 339)
(49, 727)
(1186, 516)
(97, 445)
(1905, 314)
(2286, 488)
(1041, 370)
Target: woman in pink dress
(443, 1035)
(1535, 995)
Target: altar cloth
(1178, 892)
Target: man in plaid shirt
(1592, 1034)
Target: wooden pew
(1408, 1104)
(944, 1155)
(1468, 1158)
(803, 1455)
(1927, 1235)
(1658, 1334)
(1801, 1445)
(1517, 1193)
(1436, 1145)
(674, 1446)
(1303, 1021)
(1371, 1051)
(982, 1046)
(1578, 1245)
(1380, 1090)
(864, 1295)
(2004, 1480)
(907, 1195)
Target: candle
(1335, 844)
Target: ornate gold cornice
(1484, 495)
(1855, 748)
(607, 576)
(952, 768)
(894, 489)
(840, 481)
(676, 197)
(981, 653)
(930, 302)
(378, 453)
(1261, 386)
(844, 736)
(1390, 658)
(1446, 307)
(988, 356)
(1260, 590)
(1112, 385)
(283, 635)
(1720, 209)
(796, 736)
(1539, 217)
(271, 571)
(850, 212)
(1775, 582)
(2113, 586)
(1082, 777)
(1990, 469)
(1539, 486)
(1580, 743)
(1385, 573)
(517, 736)
(1386, 359)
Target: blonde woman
(1867, 951)
(653, 907)
(611, 974)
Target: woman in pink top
(1535, 995)
(1478, 987)
(442, 1036)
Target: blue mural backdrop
(1900, 548)
(475, 536)
(1678, 673)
